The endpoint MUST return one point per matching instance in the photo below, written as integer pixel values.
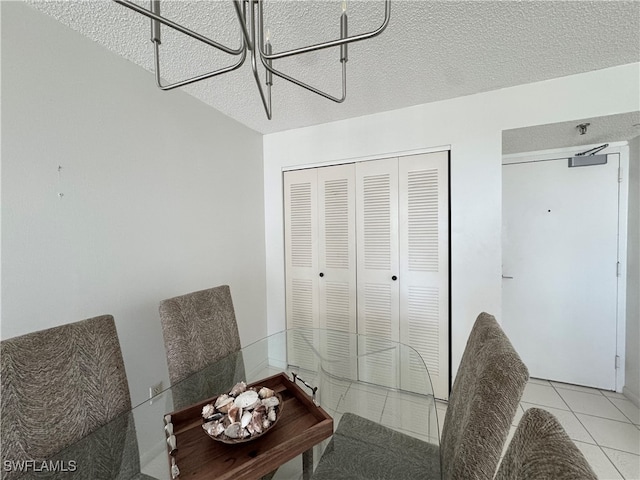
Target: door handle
(504, 276)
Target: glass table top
(379, 380)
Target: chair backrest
(199, 328)
(541, 449)
(483, 402)
(58, 386)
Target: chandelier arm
(315, 90)
(320, 46)
(267, 63)
(189, 81)
(266, 102)
(169, 23)
(242, 18)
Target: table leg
(307, 464)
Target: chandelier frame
(250, 24)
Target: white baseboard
(633, 396)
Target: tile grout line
(550, 385)
(598, 443)
(622, 451)
(613, 463)
(599, 392)
(604, 418)
(587, 430)
(629, 421)
(576, 417)
(618, 408)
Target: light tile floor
(604, 425)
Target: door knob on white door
(504, 276)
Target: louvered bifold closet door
(301, 257)
(424, 269)
(337, 268)
(377, 250)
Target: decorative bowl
(242, 415)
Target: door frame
(621, 148)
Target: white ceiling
(432, 50)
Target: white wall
(472, 126)
(162, 194)
(632, 360)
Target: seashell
(256, 423)
(246, 399)
(223, 403)
(266, 392)
(271, 414)
(226, 405)
(266, 423)
(233, 431)
(171, 441)
(246, 419)
(235, 413)
(271, 402)
(238, 388)
(208, 411)
(244, 433)
(175, 471)
(218, 430)
(213, 428)
(221, 400)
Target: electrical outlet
(155, 389)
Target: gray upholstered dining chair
(200, 328)
(541, 449)
(58, 386)
(483, 402)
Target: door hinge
(617, 269)
(619, 174)
(617, 361)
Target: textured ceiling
(431, 50)
(611, 128)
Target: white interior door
(337, 267)
(424, 268)
(301, 257)
(378, 268)
(560, 253)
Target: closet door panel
(337, 266)
(424, 267)
(377, 250)
(301, 254)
